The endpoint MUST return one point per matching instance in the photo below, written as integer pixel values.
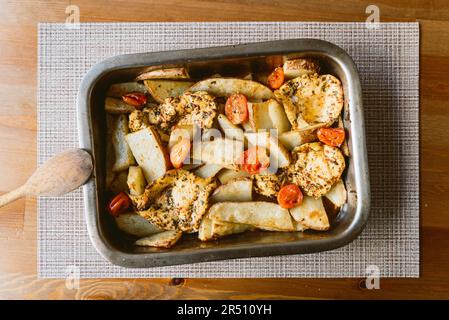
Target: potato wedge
(119, 183)
(268, 115)
(208, 170)
(149, 153)
(227, 175)
(117, 90)
(117, 106)
(311, 213)
(170, 73)
(297, 67)
(279, 155)
(123, 156)
(278, 117)
(136, 181)
(164, 239)
(225, 152)
(135, 225)
(163, 89)
(258, 213)
(110, 156)
(224, 87)
(337, 195)
(344, 147)
(205, 230)
(230, 130)
(234, 191)
(211, 229)
(295, 138)
(259, 118)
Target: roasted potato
(123, 156)
(164, 239)
(311, 214)
(268, 115)
(227, 175)
(231, 131)
(135, 225)
(208, 170)
(337, 195)
(110, 154)
(295, 138)
(211, 229)
(117, 106)
(259, 214)
(117, 90)
(225, 152)
(136, 181)
(163, 89)
(234, 191)
(119, 183)
(149, 152)
(224, 87)
(169, 73)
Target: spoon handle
(13, 195)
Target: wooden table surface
(18, 128)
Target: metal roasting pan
(229, 60)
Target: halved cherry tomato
(236, 108)
(333, 137)
(179, 152)
(119, 204)
(289, 196)
(255, 160)
(276, 78)
(135, 99)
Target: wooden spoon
(61, 174)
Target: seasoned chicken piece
(178, 200)
(317, 168)
(190, 108)
(267, 184)
(311, 99)
(197, 108)
(137, 121)
(163, 115)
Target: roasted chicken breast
(197, 108)
(178, 200)
(317, 167)
(267, 185)
(311, 99)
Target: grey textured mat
(388, 61)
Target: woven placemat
(388, 61)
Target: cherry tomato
(179, 152)
(135, 99)
(255, 160)
(119, 204)
(333, 137)
(236, 108)
(289, 196)
(276, 78)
